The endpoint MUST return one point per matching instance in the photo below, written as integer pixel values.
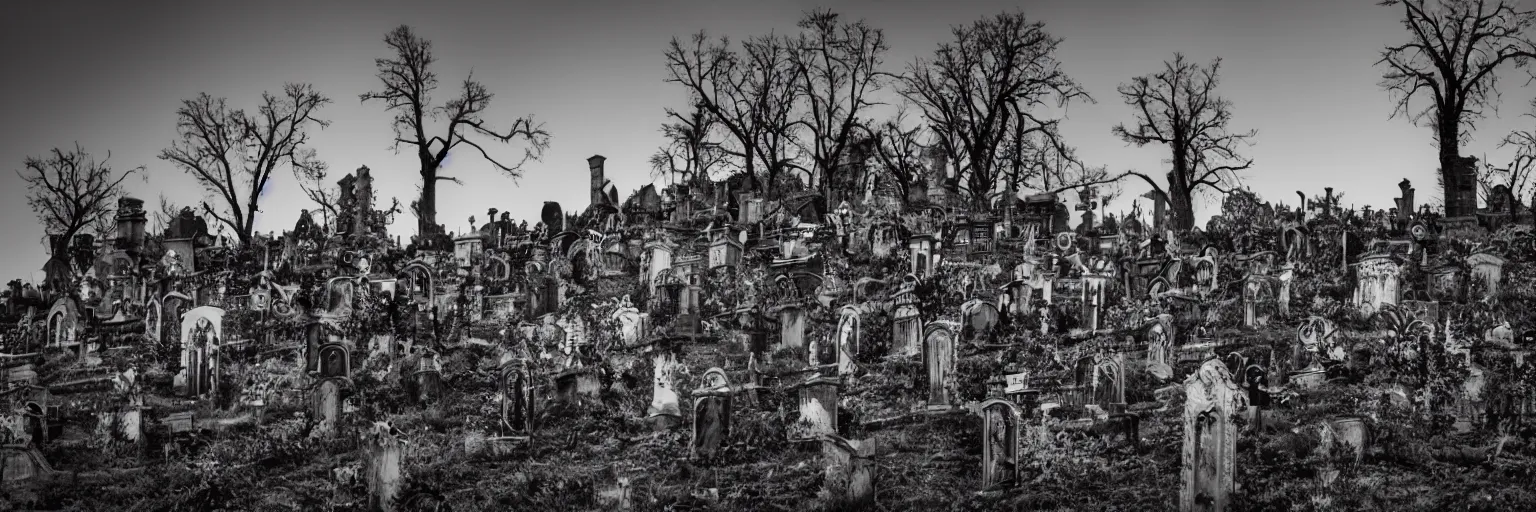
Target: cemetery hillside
(933, 314)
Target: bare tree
(749, 94)
(770, 88)
(233, 154)
(407, 83)
(1520, 173)
(691, 148)
(990, 88)
(72, 192)
(1454, 49)
(900, 153)
(1178, 107)
(838, 65)
(316, 186)
(165, 214)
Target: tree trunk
(1449, 132)
(1180, 194)
(426, 207)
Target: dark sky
(110, 75)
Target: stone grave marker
(850, 473)
(429, 378)
(711, 414)
(818, 409)
(1002, 424)
(847, 339)
(384, 474)
(664, 411)
(327, 400)
(906, 326)
(1212, 401)
(516, 400)
(939, 358)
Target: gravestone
(22, 462)
(1489, 269)
(1378, 280)
(1093, 300)
(711, 414)
(1126, 427)
(791, 326)
(327, 400)
(571, 385)
(847, 339)
(429, 379)
(1207, 272)
(664, 411)
(1446, 284)
(1349, 431)
(384, 475)
(818, 410)
(1212, 402)
(906, 327)
(1258, 298)
(939, 359)
(1108, 386)
(1002, 423)
(980, 318)
(1283, 289)
(516, 400)
(850, 473)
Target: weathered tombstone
(516, 400)
(571, 385)
(1207, 272)
(847, 338)
(1002, 422)
(429, 378)
(629, 323)
(906, 326)
(1159, 336)
(818, 410)
(1314, 338)
(1109, 381)
(1378, 282)
(791, 326)
(384, 475)
(664, 412)
(1489, 269)
(939, 358)
(22, 462)
(1093, 300)
(1446, 283)
(1125, 426)
(1258, 295)
(711, 414)
(201, 333)
(1283, 289)
(180, 422)
(1349, 431)
(1018, 391)
(1212, 401)
(327, 400)
(850, 473)
(980, 318)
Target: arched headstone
(1002, 422)
(1212, 402)
(516, 400)
(847, 338)
(939, 359)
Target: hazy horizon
(111, 75)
